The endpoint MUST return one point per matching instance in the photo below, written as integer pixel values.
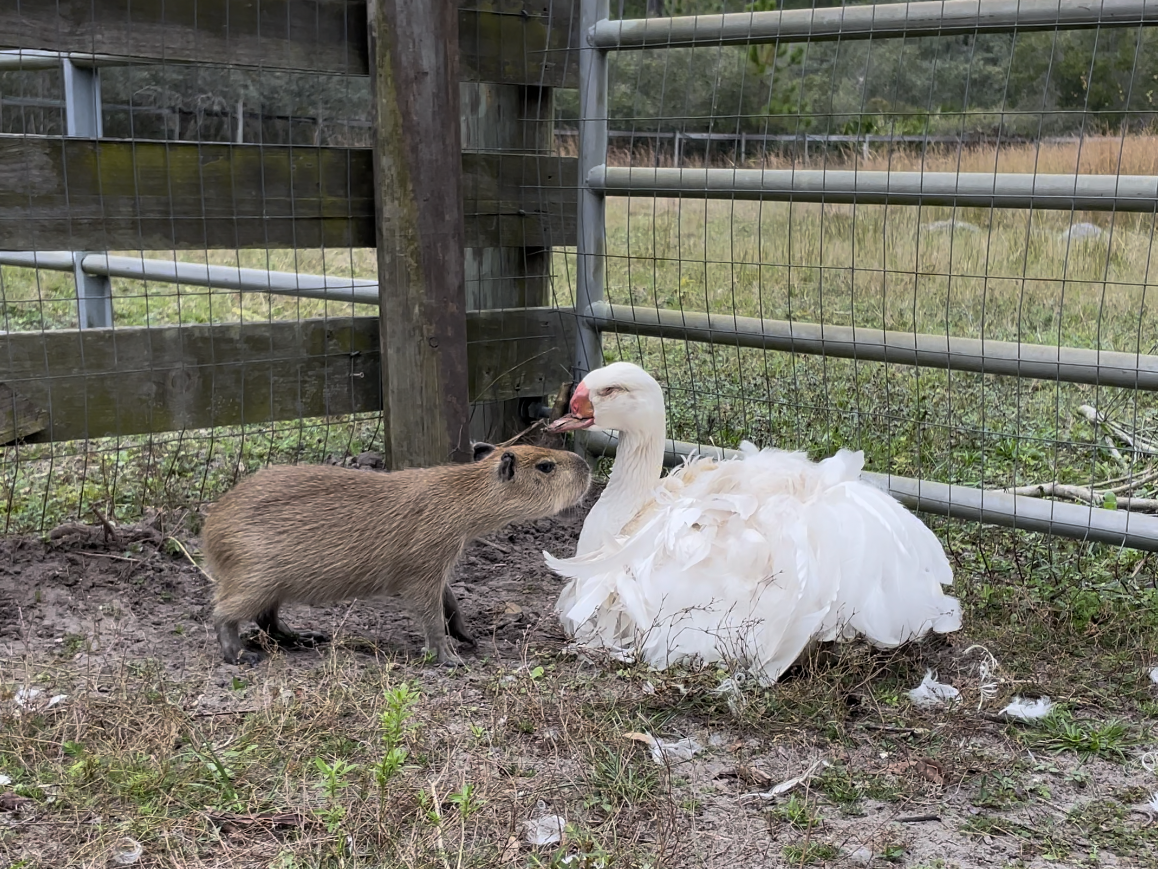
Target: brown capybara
(320, 535)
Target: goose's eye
(610, 390)
(545, 467)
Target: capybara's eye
(545, 467)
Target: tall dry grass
(1095, 155)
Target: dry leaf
(736, 746)
(511, 852)
(925, 767)
(788, 784)
(749, 775)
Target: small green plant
(798, 813)
(466, 801)
(893, 853)
(335, 776)
(617, 779)
(1061, 732)
(397, 726)
(810, 852)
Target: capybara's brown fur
(320, 535)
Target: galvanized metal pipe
(1064, 364)
(873, 21)
(335, 289)
(54, 260)
(83, 116)
(980, 189)
(590, 249)
(1115, 527)
(31, 58)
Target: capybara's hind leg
(271, 624)
(232, 649)
(432, 615)
(455, 626)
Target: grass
(354, 762)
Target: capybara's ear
(481, 450)
(507, 466)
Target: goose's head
(620, 396)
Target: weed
(798, 813)
(618, 778)
(810, 852)
(1061, 732)
(334, 776)
(466, 800)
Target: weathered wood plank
(529, 42)
(519, 353)
(99, 382)
(418, 189)
(60, 194)
(510, 118)
(19, 417)
(523, 42)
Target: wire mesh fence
(924, 230)
(190, 288)
(921, 232)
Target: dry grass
(353, 761)
(1096, 155)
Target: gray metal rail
(871, 22)
(1064, 364)
(590, 250)
(1096, 524)
(982, 189)
(358, 290)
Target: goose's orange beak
(582, 413)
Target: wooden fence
(482, 151)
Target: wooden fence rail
(510, 41)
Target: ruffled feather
(748, 561)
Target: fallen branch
(1133, 441)
(1085, 495)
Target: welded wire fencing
(190, 264)
(964, 296)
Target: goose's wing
(749, 560)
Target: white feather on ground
(933, 693)
(1028, 710)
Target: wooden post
(418, 201)
(511, 119)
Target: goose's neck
(634, 476)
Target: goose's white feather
(746, 561)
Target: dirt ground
(926, 788)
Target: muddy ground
(956, 787)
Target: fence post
(420, 235)
(82, 118)
(590, 251)
(510, 119)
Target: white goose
(744, 561)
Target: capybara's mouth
(571, 422)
